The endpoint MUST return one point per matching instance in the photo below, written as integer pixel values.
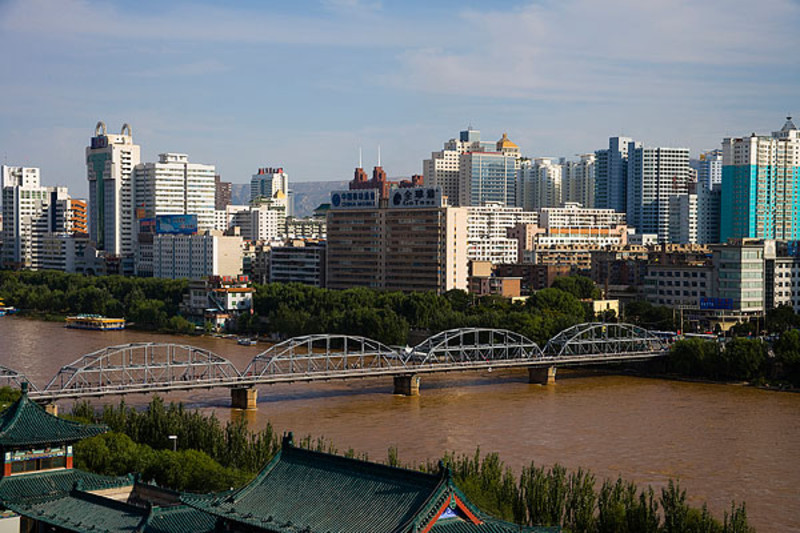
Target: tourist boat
(95, 322)
(244, 341)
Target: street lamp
(174, 439)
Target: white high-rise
(709, 170)
(577, 181)
(540, 184)
(30, 212)
(174, 186)
(443, 168)
(109, 164)
(683, 217)
(654, 176)
(487, 232)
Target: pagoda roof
(26, 423)
(55, 482)
(306, 491)
(69, 499)
(80, 511)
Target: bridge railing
(139, 364)
(140, 367)
(320, 354)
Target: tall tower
(109, 167)
(611, 175)
(654, 175)
(761, 185)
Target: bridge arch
(473, 345)
(139, 367)
(322, 353)
(9, 377)
(603, 338)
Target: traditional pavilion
(299, 491)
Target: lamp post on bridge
(174, 439)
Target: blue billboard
(716, 303)
(176, 224)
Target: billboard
(358, 199)
(147, 225)
(716, 303)
(176, 224)
(416, 197)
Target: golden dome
(505, 143)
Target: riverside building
(174, 186)
(410, 241)
(487, 232)
(110, 160)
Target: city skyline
(303, 86)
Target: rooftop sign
(360, 199)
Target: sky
(304, 84)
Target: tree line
(390, 317)
(739, 359)
(150, 303)
(293, 309)
(215, 456)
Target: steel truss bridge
(155, 367)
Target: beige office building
(411, 242)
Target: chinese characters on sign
(416, 197)
(365, 198)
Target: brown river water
(723, 442)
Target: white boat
(244, 341)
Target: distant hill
(307, 194)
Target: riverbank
(722, 442)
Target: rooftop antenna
(360, 165)
(379, 155)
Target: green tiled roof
(55, 482)
(26, 423)
(301, 490)
(81, 512)
(179, 518)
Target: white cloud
(588, 50)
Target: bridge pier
(51, 408)
(244, 398)
(542, 375)
(406, 385)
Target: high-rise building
(222, 193)
(489, 176)
(611, 175)
(196, 256)
(30, 213)
(443, 168)
(683, 217)
(654, 176)
(412, 242)
(540, 184)
(761, 186)
(577, 181)
(174, 186)
(487, 232)
(472, 172)
(110, 160)
(708, 215)
(267, 181)
(709, 169)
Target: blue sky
(303, 84)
